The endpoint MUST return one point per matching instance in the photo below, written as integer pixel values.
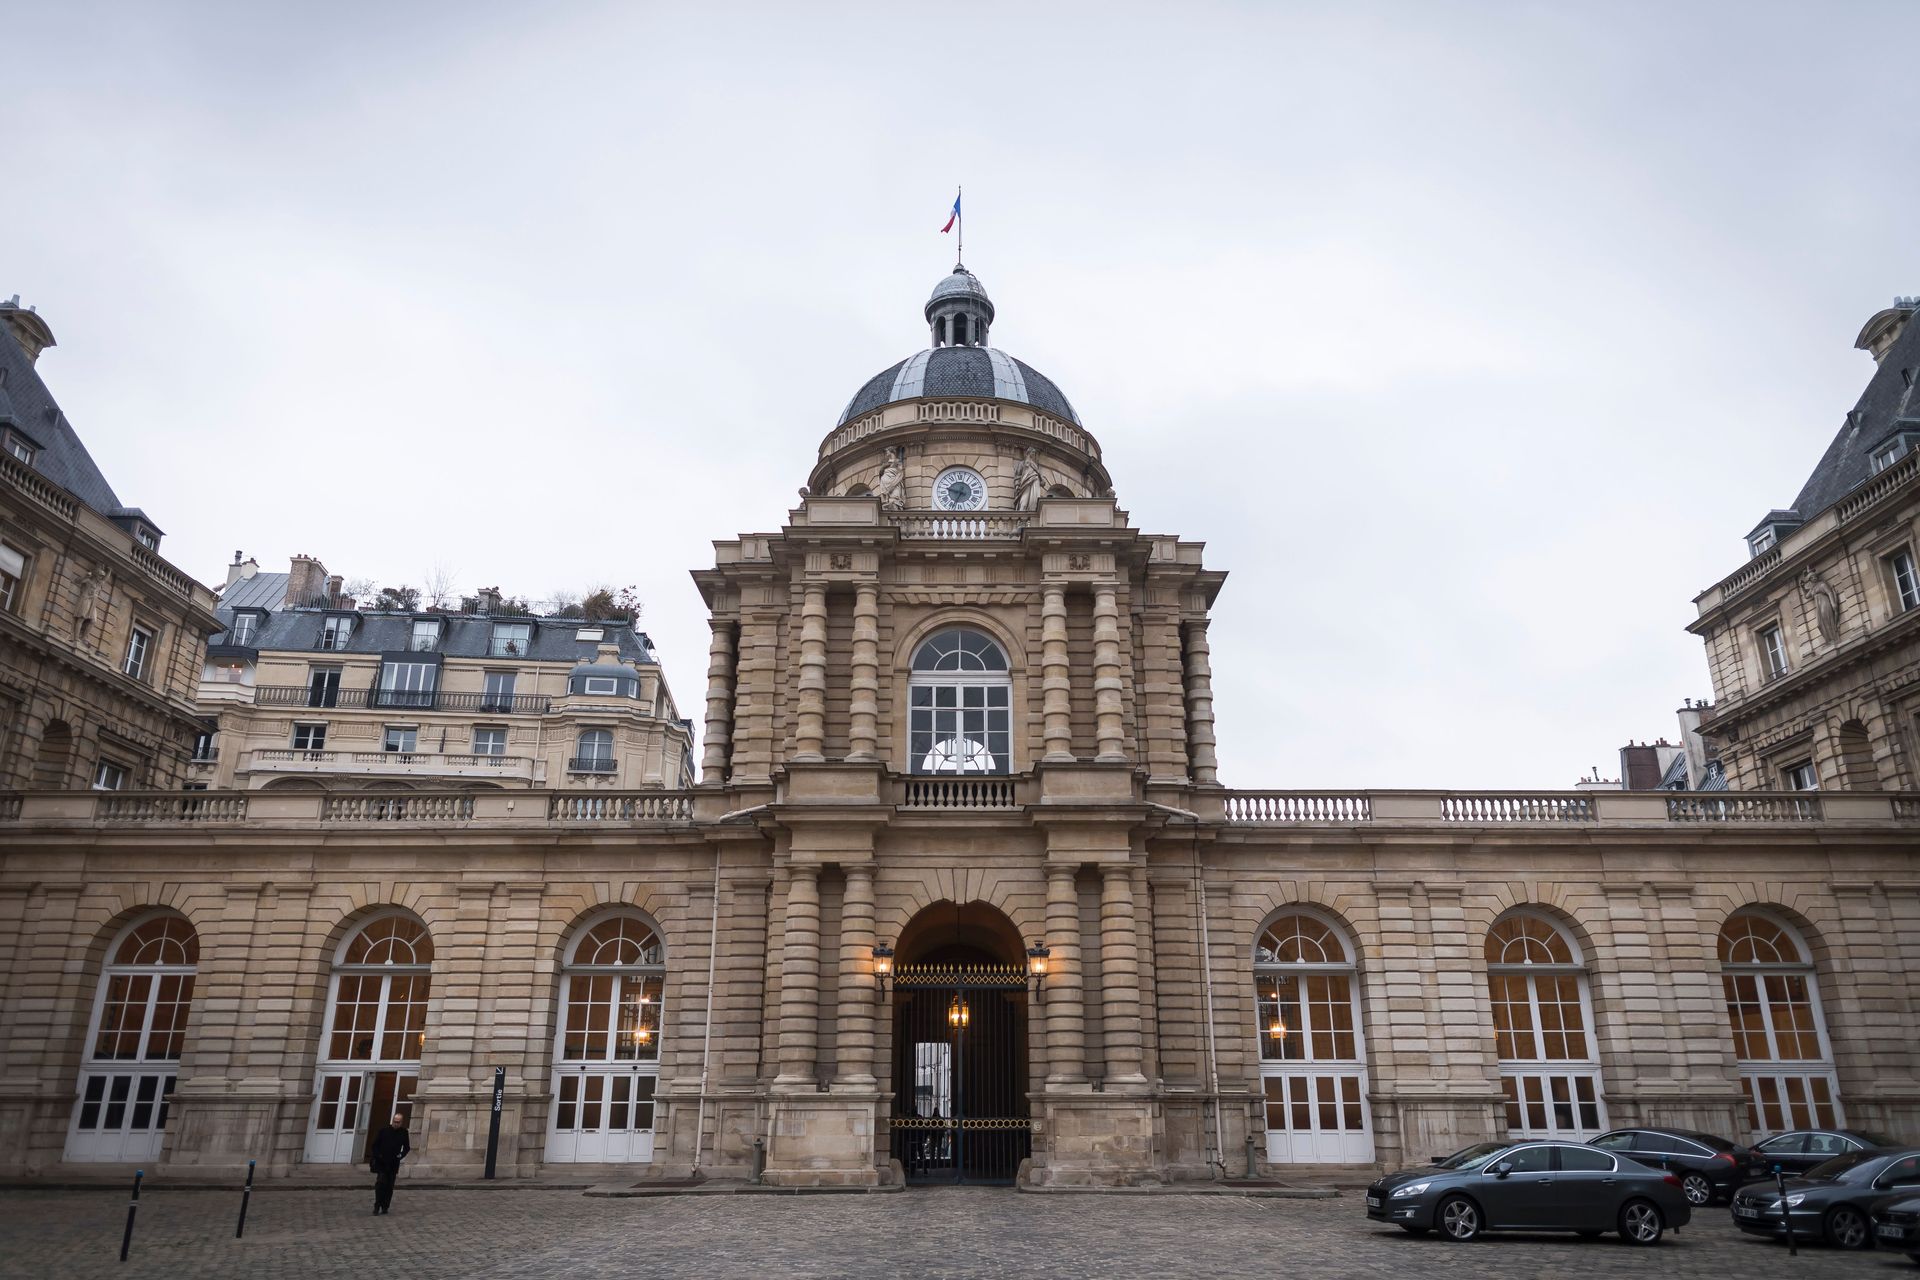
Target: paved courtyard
(477, 1235)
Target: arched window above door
(607, 1058)
(137, 1035)
(1549, 1067)
(1312, 1049)
(960, 699)
(1779, 1033)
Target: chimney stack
(241, 569)
(28, 329)
(306, 582)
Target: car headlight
(1411, 1189)
(1793, 1201)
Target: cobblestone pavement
(494, 1235)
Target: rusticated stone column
(854, 1025)
(1056, 677)
(1120, 973)
(713, 760)
(1106, 674)
(800, 978)
(810, 733)
(1200, 703)
(864, 702)
(1066, 1021)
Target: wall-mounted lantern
(882, 969)
(1037, 968)
(958, 1014)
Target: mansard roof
(29, 407)
(1889, 403)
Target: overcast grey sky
(1470, 338)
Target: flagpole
(960, 246)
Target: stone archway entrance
(960, 1047)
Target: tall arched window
(607, 1055)
(1313, 1059)
(134, 1039)
(959, 695)
(1779, 1034)
(1542, 1013)
(375, 1029)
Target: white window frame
(599, 684)
(413, 685)
(960, 753)
(1316, 1144)
(510, 640)
(140, 643)
(336, 632)
(316, 732)
(1906, 582)
(427, 630)
(498, 739)
(1773, 651)
(1782, 1073)
(338, 1146)
(1540, 1071)
(1764, 540)
(146, 537)
(13, 572)
(110, 775)
(17, 445)
(581, 756)
(127, 1143)
(245, 627)
(412, 732)
(1887, 454)
(577, 1079)
(498, 699)
(1800, 776)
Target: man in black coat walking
(384, 1153)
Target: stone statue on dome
(891, 487)
(1029, 482)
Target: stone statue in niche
(891, 487)
(91, 601)
(1826, 605)
(1029, 482)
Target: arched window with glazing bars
(1313, 1060)
(607, 1051)
(1542, 1029)
(1780, 1044)
(134, 1041)
(374, 1034)
(960, 705)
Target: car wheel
(1640, 1223)
(1459, 1218)
(1847, 1229)
(1697, 1190)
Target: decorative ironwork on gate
(960, 1096)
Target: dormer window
(245, 627)
(1767, 534)
(510, 640)
(336, 631)
(1892, 450)
(426, 635)
(17, 445)
(146, 537)
(1762, 541)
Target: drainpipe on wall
(1216, 1160)
(706, 1034)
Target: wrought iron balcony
(507, 704)
(591, 764)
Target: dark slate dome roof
(961, 371)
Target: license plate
(1890, 1232)
(1373, 1202)
(1746, 1213)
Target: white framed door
(1318, 1117)
(122, 1115)
(602, 1114)
(348, 1105)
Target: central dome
(960, 363)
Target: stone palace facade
(958, 896)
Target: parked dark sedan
(1531, 1186)
(1796, 1152)
(1709, 1168)
(1896, 1224)
(1834, 1201)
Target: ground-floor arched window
(375, 1030)
(1313, 1064)
(607, 1052)
(1780, 1042)
(134, 1041)
(1542, 1015)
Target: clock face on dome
(959, 489)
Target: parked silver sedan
(1532, 1186)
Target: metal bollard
(1786, 1214)
(246, 1194)
(1253, 1162)
(133, 1207)
(759, 1164)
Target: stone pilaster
(854, 1031)
(864, 701)
(1056, 676)
(800, 978)
(1066, 1015)
(1120, 975)
(713, 759)
(1200, 744)
(811, 701)
(1108, 719)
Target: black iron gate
(960, 1072)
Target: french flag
(952, 217)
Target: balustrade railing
(1728, 806)
(1291, 806)
(1516, 808)
(37, 487)
(269, 756)
(1870, 493)
(955, 527)
(1754, 570)
(960, 793)
(499, 704)
(647, 806)
(173, 806)
(397, 808)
